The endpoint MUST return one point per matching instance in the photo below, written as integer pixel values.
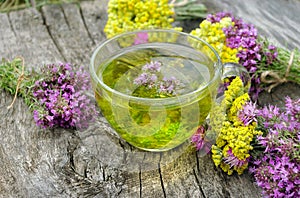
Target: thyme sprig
(16, 80)
(286, 66)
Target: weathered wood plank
(278, 94)
(8, 38)
(177, 172)
(23, 144)
(33, 40)
(24, 148)
(95, 162)
(25, 154)
(68, 32)
(95, 17)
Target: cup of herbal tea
(156, 87)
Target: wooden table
(95, 162)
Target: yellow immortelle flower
(237, 105)
(235, 89)
(217, 118)
(216, 155)
(214, 35)
(129, 15)
(233, 144)
(238, 138)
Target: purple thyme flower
(148, 77)
(169, 85)
(215, 18)
(248, 113)
(141, 79)
(278, 176)
(233, 161)
(271, 54)
(153, 66)
(253, 53)
(151, 78)
(277, 168)
(141, 38)
(292, 107)
(60, 97)
(200, 141)
(244, 35)
(269, 112)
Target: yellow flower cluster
(236, 106)
(233, 142)
(214, 35)
(238, 138)
(125, 15)
(216, 120)
(235, 89)
(216, 155)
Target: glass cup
(156, 87)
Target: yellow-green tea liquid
(156, 127)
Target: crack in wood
(121, 144)
(119, 193)
(70, 151)
(161, 181)
(196, 177)
(197, 161)
(161, 177)
(51, 36)
(225, 183)
(81, 186)
(65, 17)
(86, 27)
(85, 173)
(103, 174)
(198, 183)
(11, 26)
(140, 180)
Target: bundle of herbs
(56, 94)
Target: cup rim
(167, 100)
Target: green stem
(15, 79)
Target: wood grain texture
(38, 49)
(95, 17)
(278, 20)
(68, 31)
(95, 162)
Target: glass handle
(231, 70)
(234, 69)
